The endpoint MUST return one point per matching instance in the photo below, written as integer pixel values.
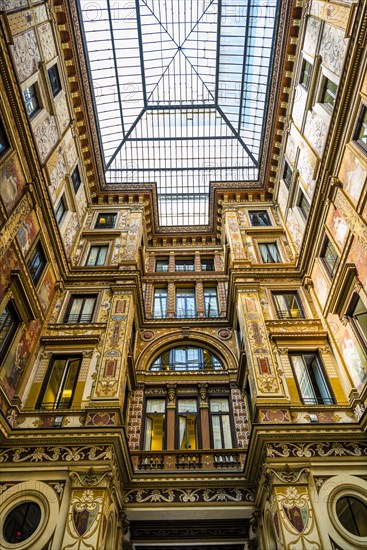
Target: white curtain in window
(156, 405)
(269, 253)
(217, 436)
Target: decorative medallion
(224, 334)
(147, 335)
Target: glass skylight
(180, 92)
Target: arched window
(186, 358)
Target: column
(171, 416)
(204, 416)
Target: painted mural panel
(291, 150)
(311, 36)
(307, 162)
(321, 285)
(337, 226)
(47, 288)
(28, 232)
(332, 49)
(354, 358)
(295, 228)
(316, 131)
(47, 41)
(12, 182)
(46, 136)
(353, 175)
(16, 360)
(26, 54)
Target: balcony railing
(191, 314)
(187, 366)
(226, 459)
(318, 400)
(79, 318)
(290, 314)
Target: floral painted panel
(311, 36)
(46, 136)
(26, 54)
(12, 182)
(62, 112)
(316, 131)
(332, 49)
(28, 232)
(46, 289)
(337, 226)
(321, 285)
(47, 42)
(353, 175)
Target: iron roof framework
(180, 91)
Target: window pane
(187, 405)
(227, 432)
(304, 382)
(154, 433)
(156, 405)
(269, 252)
(9, 322)
(61, 382)
(217, 436)
(287, 305)
(210, 302)
(185, 303)
(160, 303)
(161, 265)
(219, 405)
(352, 513)
(31, 100)
(97, 255)
(37, 263)
(361, 131)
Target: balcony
(226, 459)
(188, 314)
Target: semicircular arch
(196, 338)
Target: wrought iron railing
(188, 460)
(79, 318)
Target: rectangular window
(37, 263)
(60, 211)
(269, 253)
(328, 94)
(31, 100)
(160, 303)
(185, 303)
(311, 379)
(303, 205)
(80, 309)
(220, 423)
(187, 412)
(287, 174)
(106, 221)
(4, 142)
(306, 73)
(329, 257)
(288, 305)
(187, 264)
(357, 315)
(154, 424)
(207, 264)
(360, 134)
(259, 218)
(53, 75)
(211, 302)
(97, 255)
(59, 386)
(9, 323)
(75, 178)
(162, 265)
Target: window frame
(186, 263)
(252, 213)
(144, 427)
(215, 296)
(319, 400)
(221, 414)
(156, 291)
(180, 291)
(295, 293)
(107, 224)
(357, 330)
(170, 354)
(287, 169)
(12, 331)
(361, 119)
(54, 76)
(302, 199)
(207, 261)
(61, 218)
(37, 250)
(324, 90)
(99, 246)
(331, 271)
(76, 181)
(4, 140)
(84, 297)
(266, 243)
(305, 77)
(55, 357)
(164, 261)
(27, 101)
(184, 414)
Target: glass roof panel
(180, 93)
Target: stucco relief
(47, 41)
(70, 233)
(8, 5)
(316, 131)
(282, 197)
(62, 112)
(71, 154)
(81, 200)
(332, 49)
(56, 177)
(299, 105)
(311, 36)
(353, 175)
(306, 165)
(291, 149)
(295, 228)
(26, 54)
(46, 136)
